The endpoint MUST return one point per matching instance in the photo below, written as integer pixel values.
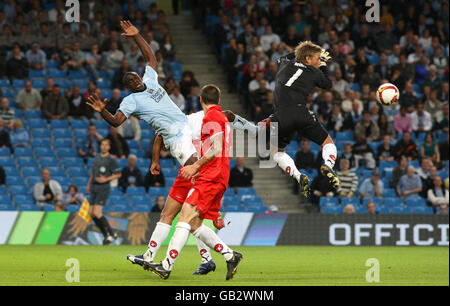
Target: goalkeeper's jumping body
(298, 74)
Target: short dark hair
(126, 78)
(210, 94)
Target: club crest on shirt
(102, 169)
(150, 91)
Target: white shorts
(182, 148)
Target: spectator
(406, 147)
(113, 58)
(421, 119)
(349, 180)
(371, 208)
(5, 140)
(410, 184)
(443, 209)
(386, 127)
(160, 202)
(403, 121)
(29, 97)
(55, 106)
(438, 195)
(17, 65)
(72, 196)
(78, 109)
(187, 81)
(408, 98)
(151, 180)
(120, 72)
(348, 155)
(241, 176)
(36, 57)
(6, 113)
(399, 170)
(386, 151)
(349, 209)
(178, 98)
(371, 77)
(424, 171)
(321, 187)
(363, 152)
(19, 136)
(119, 146)
(304, 158)
(48, 192)
(131, 175)
(372, 187)
(432, 79)
(443, 122)
(443, 149)
(114, 102)
(429, 149)
(340, 84)
(2, 176)
(193, 100)
(164, 68)
(49, 82)
(367, 128)
(268, 38)
(92, 61)
(90, 147)
(130, 129)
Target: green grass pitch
(281, 265)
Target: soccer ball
(387, 94)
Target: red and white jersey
(214, 123)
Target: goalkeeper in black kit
(298, 74)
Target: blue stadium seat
(46, 162)
(14, 180)
(104, 84)
(246, 191)
(255, 202)
(234, 208)
(49, 208)
(17, 83)
(355, 87)
(387, 164)
(345, 136)
(103, 132)
(77, 171)
(31, 171)
(378, 202)
(73, 208)
(62, 143)
(389, 193)
(23, 152)
(387, 173)
(38, 83)
(4, 83)
(7, 92)
(59, 124)
(81, 133)
(120, 208)
(44, 152)
(229, 192)
(18, 189)
(26, 161)
(28, 207)
(416, 202)
(118, 199)
(169, 181)
(40, 133)
(6, 207)
(353, 201)
(11, 171)
(133, 144)
(100, 124)
(56, 171)
(7, 161)
(399, 210)
(330, 210)
(56, 73)
(422, 210)
(51, 63)
(5, 152)
(41, 143)
(393, 202)
(328, 201)
(23, 199)
(32, 180)
(32, 73)
(73, 162)
(139, 200)
(77, 74)
(80, 82)
(142, 208)
(414, 163)
(37, 124)
(66, 152)
(443, 173)
(166, 163)
(170, 172)
(132, 191)
(62, 133)
(32, 114)
(4, 199)
(80, 180)
(79, 124)
(147, 134)
(154, 191)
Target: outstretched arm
(155, 168)
(130, 30)
(100, 107)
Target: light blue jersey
(154, 106)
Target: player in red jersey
(210, 174)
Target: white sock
(211, 239)
(286, 163)
(159, 235)
(204, 251)
(240, 123)
(176, 244)
(329, 154)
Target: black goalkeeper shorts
(297, 119)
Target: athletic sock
(158, 237)
(286, 163)
(329, 154)
(210, 238)
(105, 223)
(204, 251)
(99, 224)
(176, 244)
(240, 123)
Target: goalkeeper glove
(324, 57)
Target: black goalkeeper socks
(105, 223)
(100, 225)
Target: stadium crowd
(393, 152)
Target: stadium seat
(414, 163)
(142, 208)
(77, 171)
(62, 133)
(32, 114)
(57, 171)
(18, 83)
(378, 202)
(230, 192)
(31, 171)
(32, 180)
(62, 143)
(330, 210)
(255, 202)
(6, 207)
(354, 201)
(147, 134)
(32, 73)
(131, 191)
(73, 162)
(37, 124)
(73, 208)
(4, 199)
(41, 142)
(80, 82)
(246, 191)
(26, 161)
(346, 136)
(169, 181)
(46, 162)
(81, 134)
(40, 133)
(56, 73)
(14, 180)
(393, 202)
(11, 171)
(120, 208)
(79, 124)
(7, 161)
(170, 172)
(44, 152)
(166, 163)
(118, 199)
(5, 152)
(28, 207)
(59, 124)
(387, 164)
(443, 174)
(77, 74)
(389, 193)
(49, 208)
(80, 180)
(18, 152)
(4, 83)
(23, 199)
(416, 202)
(328, 201)
(38, 83)
(18, 189)
(153, 191)
(66, 152)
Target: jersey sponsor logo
(218, 247)
(153, 244)
(173, 254)
(158, 95)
